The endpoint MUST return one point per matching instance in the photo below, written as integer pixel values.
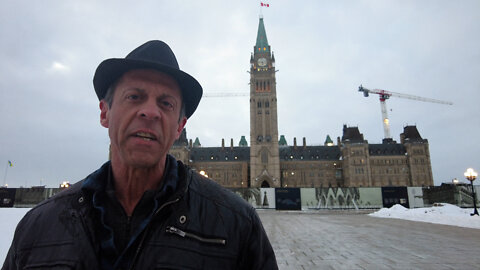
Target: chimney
(402, 138)
(223, 143)
(231, 143)
(304, 142)
(294, 142)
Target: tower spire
(262, 42)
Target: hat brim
(112, 69)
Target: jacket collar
(175, 178)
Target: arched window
(264, 157)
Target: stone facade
(353, 162)
(270, 162)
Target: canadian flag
(264, 4)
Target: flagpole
(5, 177)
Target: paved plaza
(352, 240)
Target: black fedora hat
(154, 54)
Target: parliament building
(270, 161)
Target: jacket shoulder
(211, 191)
(48, 210)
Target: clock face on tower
(262, 62)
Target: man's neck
(131, 183)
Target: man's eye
(133, 97)
(167, 105)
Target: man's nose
(149, 110)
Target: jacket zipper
(140, 245)
(173, 230)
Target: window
(264, 157)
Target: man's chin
(144, 162)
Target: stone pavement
(351, 240)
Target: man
(143, 209)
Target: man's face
(143, 121)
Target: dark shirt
(117, 232)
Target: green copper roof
(282, 140)
(197, 143)
(328, 140)
(262, 42)
(243, 142)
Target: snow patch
(441, 213)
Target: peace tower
(264, 151)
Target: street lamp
(471, 175)
(202, 172)
(65, 184)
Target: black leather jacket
(200, 226)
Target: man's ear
(181, 125)
(104, 113)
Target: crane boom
(384, 95)
(400, 95)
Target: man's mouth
(146, 136)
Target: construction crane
(384, 95)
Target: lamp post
(471, 175)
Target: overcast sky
(323, 50)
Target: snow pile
(443, 213)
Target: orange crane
(384, 95)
